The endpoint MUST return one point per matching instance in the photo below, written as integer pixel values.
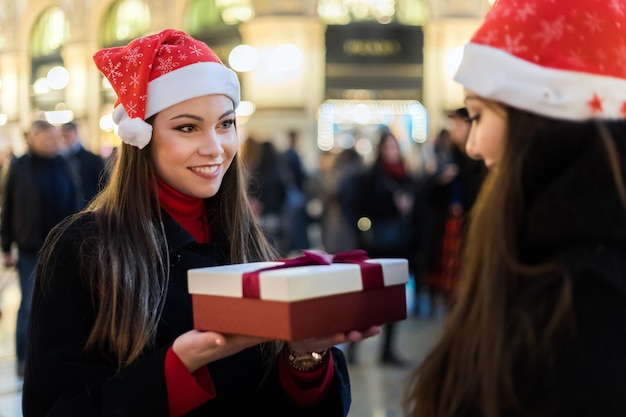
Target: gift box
(314, 295)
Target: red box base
(298, 320)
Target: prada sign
(375, 43)
(373, 56)
(372, 48)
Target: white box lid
(293, 283)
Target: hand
(317, 345)
(196, 349)
(449, 173)
(404, 202)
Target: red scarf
(188, 211)
(396, 170)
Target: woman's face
(194, 143)
(390, 151)
(487, 134)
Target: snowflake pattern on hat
(569, 38)
(157, 71)
(561, 58)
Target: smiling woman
(112, 316)
(194, 143)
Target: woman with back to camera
(112, 328)
(539, 326)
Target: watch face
(305, 361)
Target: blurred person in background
(268, 185)
(90, 166)
(339, 220)
(297, 219)
(447, 197)
(41, 189)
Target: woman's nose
(211, 145)
(471, 148)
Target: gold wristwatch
(304, 361)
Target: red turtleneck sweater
(187, 391)
(187, 211)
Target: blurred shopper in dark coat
(268, 185)
(448, 197)
(41, 189)
(296, 217)
(339, 221)
(90, 166)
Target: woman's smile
(206, 171)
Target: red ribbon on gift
(371, 273)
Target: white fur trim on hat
(191, 81)
(133, 131)
(562, 94)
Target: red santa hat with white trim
(157, 71)
(564, 59)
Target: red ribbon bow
(371, 273)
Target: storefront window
(126, 20)
(50, 32)
(342, 12)
(412, 12)
(216, 23)
(345, 123)
(203, 14)
(48, 76)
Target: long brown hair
(507, 310)
(128, 276)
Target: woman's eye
(186, 128)
(473, 119)
(228, 123)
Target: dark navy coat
(61, 381)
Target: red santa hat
(155, 72)
(564, 59)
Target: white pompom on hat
(155, 72)
(564, 59)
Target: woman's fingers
(318, 344)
